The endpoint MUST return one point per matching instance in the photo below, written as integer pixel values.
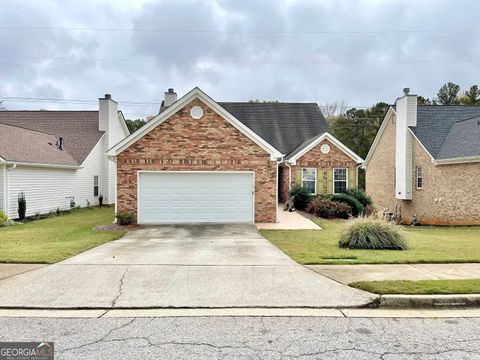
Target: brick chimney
(406, 109)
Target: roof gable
(196, 93)
(283, 125)
(311, 143)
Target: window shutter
(329, 181)
(298, 176)
(352, 177)
(320, 182)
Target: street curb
(428, 301)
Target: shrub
(22, 206)
(360, 195)
(373, 233)
(357, 207)
(5, 220)
(329, 209)
(125, 218)
(301, 197)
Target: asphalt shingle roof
(463, 140)
(79, 129)
(446, 132)
(24, 145)
(283, 125)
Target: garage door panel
(189, 197)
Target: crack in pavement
(102, 338)
(120, 287)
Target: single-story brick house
(425, 163)
(201, 161)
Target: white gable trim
(196, 93)
(121, 117)
(334, 141)
(423, 147)
(386, 119)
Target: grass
(56, 238)
(421, 287)
(426, 244)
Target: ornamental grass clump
(373, 233)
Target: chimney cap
(406, 91)
(108, 96)
(171, 91)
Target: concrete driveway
(211, 266)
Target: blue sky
(359, 52)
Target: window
(95, 185)
(309, 179)
(419, 176)
(339, 181)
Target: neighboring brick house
(425, 162)
(199, 161)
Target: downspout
(356, 180)
(278, 162)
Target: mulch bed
(115, 227)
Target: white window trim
(333, 180)
(417, 177)
(315, 172)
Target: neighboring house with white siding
(58, 158)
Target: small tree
(448, 94)
(22, 206)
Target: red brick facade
(314, 158)
(210, 143)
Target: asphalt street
(251, 337)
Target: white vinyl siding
(48, 188)
(195, 197)
(309, 180)
(2, 187)
(116, 133)
(340, 180)
(406, 108)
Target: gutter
(460, 160)
(59, 166)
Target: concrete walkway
(347, 274)
(214, 266)
(289, 221)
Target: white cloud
(235, 61)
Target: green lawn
(421, 287)
(427, 244)
(56, 238)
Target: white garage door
(195, 197)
